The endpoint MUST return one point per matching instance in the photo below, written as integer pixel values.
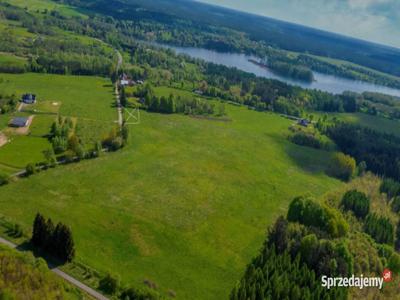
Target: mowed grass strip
(185, 205)
(22, 150)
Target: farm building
(126, 80)
(303, 122)
(19, 122)
(29, 98)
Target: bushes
(116, 139)
(394, 263)
(306, 139)
(3, 179)
(380, 229)
(24, 277)
(56, 240)
(30, 169)
(357, 202)
(309, 213)
(342, 166)
(396, 204)
(390, 187)
(7, 103)
(109, 284)
(135, 294)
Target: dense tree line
(275, 275)
(380, 151)
(291, 70)
(293, 258)
(306, 139)
(346, 70)
(177, 104)
(55, 240)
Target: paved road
(65, 276)
(119, 106)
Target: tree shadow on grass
(39, 253)
(311, 160)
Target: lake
(328, 83)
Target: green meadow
(185, 205)
(381, 124)
(78, 96)
(89, 100)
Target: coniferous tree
(38, 233)
(64, 242)
(49, 228)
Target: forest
(241, 32)
(301, 247)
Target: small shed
(19, 122)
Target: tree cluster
(7, 103)
(380, 151)
(357, 202)
(390, 187)
(309, 213)
(380, 228)
(306, 139)
(290, 264)
(55, 240)
(117, 138)
(342, 166)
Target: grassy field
(23, 150)
(185, 205)
(79, 96)
(41, 5)
(90, 99)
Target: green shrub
(394, 263)
(380, 229)
(396, 204)
(310, 213)
(136, 294)
(3, 179)
(390, 187)
(342, 166)
(109, 284)
(30, 169)
(357, 202)
(306, 139)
